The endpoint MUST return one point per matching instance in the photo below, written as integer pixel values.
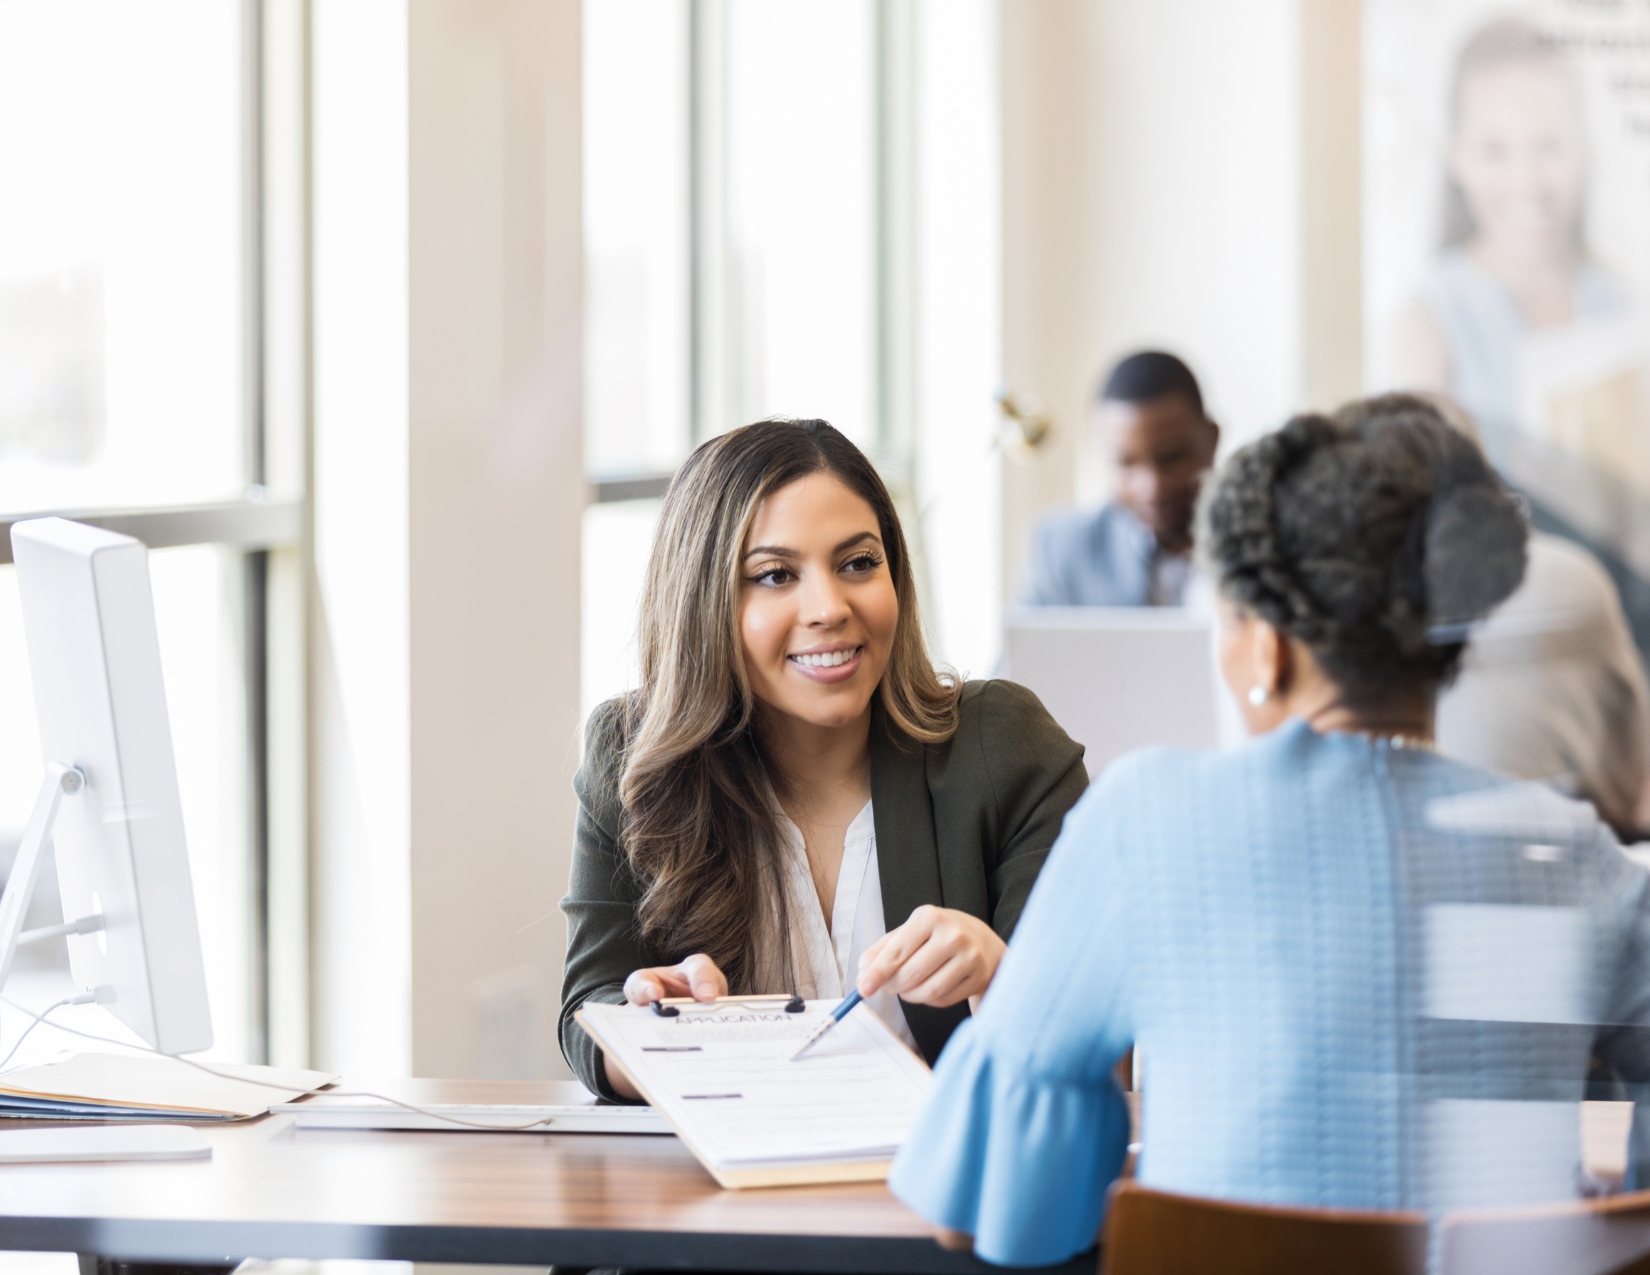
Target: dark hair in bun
(1377, 537)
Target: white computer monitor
(110, 799)
(1120, 678)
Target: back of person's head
(698, 825)
(1375, 537)
(1150, 375)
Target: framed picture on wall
(1507, 247)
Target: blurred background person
(1552, 689)
(1514, 251)
(1514, 274)
(1295, 934)
(1136, 550)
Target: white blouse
(827, 960)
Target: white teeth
(830, 660)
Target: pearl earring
(1258, 695)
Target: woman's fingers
(705, 981)
(938, 957)
(643, 987)
(923, 963)
(956, 980)
(697, 977)
(871, 972)
(883, 959)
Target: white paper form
(722, 1075)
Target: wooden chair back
(1151, 1232)
(1610, 1236)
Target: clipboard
(895, 1058)
(671, 1006)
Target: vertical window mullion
(255, 566)
(707, 185)
(895, 123)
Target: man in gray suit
(1136, 550)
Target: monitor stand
(61, 781)
(91, 1141)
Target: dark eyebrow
(778, 551)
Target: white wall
(360, 711)
(1045, 56)
(1332, 353)
(1180, 174)
(448, 488)
(1196, 185)
(497, 493)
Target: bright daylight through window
(730, 168)
(124, 379)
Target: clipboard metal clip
(671, 1006)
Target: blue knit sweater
(1358, 975)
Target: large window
(132, 394)
(799, 286)
(121, 307)
(737, 211)
(638, 236)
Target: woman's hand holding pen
(938, 957)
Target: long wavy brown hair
(699, 827)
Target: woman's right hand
(697, 977)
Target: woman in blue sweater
(1358, 974)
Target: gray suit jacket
(1089, 558)
(965, 824)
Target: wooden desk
(272, 1191)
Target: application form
(721, 1075)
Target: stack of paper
(722, 1076)
(87, 1086)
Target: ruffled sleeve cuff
(1018, 1161)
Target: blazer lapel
(908, 856)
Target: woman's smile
(834, 662)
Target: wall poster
(1507, 246)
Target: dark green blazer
(965, 824)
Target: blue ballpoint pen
(837, 1015)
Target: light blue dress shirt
(1358, 976)
(1102, 557)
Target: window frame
(268, 535)
(894, 181)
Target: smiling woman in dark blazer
(794, 799)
